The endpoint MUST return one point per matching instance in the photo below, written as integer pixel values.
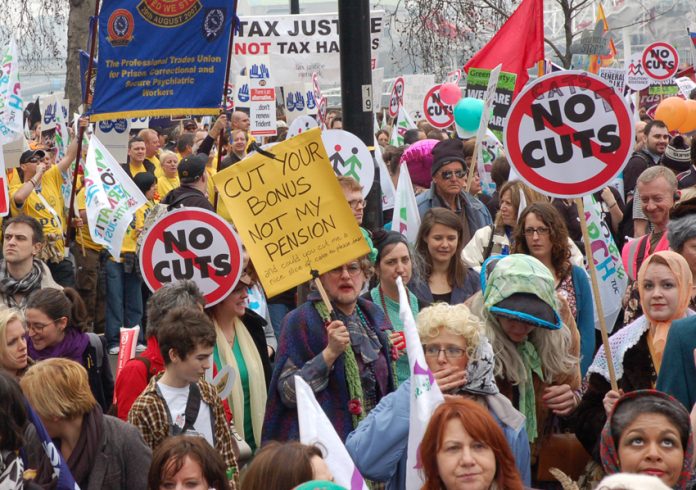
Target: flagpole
(80, 127)
(230, 45)
(597, 295)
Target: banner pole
(81, 129)
(230, 46)
(597, 296)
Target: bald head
(240, 120)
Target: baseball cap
(29, 154)
(191, 167)
(190, 124)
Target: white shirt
(176, 402)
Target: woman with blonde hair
(534, 338)
(13, 343)
(169, 178)
(462, 362)
(101, 451)
(497, 238)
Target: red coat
(133, 378)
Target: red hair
(481, 426)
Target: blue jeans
(124, 305)
(277, 312)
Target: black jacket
(254, 324)
(149, 167)
(187, 197)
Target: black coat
(254, 324)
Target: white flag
(11, 102)
(112, 198)
(611, 275)
(316, 428)
(425, 394)
(403, 124)
(406, 219)
(385, 180)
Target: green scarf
(532, 363)
(355, 390)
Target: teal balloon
(467, 113)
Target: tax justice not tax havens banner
(161, 57)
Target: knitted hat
(447, 151)
(677, 156)
(419, 160)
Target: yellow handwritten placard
(291, 212)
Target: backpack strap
(148, 366)
(641, 252)
(96, 342)
(489, 247)
(193, 406)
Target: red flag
(517, 45)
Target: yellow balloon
(672, 111)
(690, 123)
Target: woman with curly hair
(462, 362)
(542, 234)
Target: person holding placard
(241, 344)
(439, 245)
(664, 284)
(344, 357)
(542, 234)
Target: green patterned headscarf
(519, 274)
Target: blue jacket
(378, 445)
(585, 318)
(471, 286)
(477, 214)
(677, 373)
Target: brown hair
(515, 186)
(481, 427)
(56, 304)
(280, 466)
(558, 234)
(170, 456)
(349, 183)
(184, 329)
(442, 216)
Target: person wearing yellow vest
(169, 180)
(88, 262)
(38, 194)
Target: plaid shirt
(150, 415)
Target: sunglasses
(447, 174)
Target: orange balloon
(672, 111)
(690, 123)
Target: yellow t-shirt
(142, 213)
(158, 167)
(135, 171)
(82, 235)
(33, 206)
(165, 185)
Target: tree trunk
(78, 35)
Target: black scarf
(81, 460)
(9, 286)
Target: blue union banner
(161, 57)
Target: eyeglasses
(451, 352)
(541, 231)
(447, 174)
(39, 327)
(353, 270)
(357, 203)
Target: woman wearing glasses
(439, 245)
(461, 360)
(345, 356)
(542, 234)
(56, 327)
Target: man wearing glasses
(449, 174)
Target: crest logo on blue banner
(169, 13)
(120, 26)
(213, 23)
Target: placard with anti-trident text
(291, 212)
